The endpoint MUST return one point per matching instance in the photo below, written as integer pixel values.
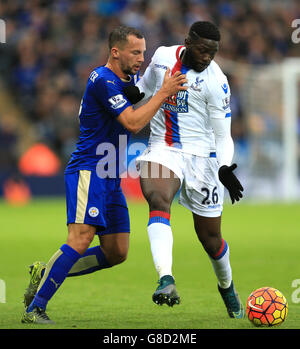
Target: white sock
(221, 265)
(161, 242)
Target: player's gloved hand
(133, 94)
(229, 180)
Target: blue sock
(92, 260)
(56, 271)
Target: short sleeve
(109, 92)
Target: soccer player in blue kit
(95, 204)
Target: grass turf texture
(264, 243)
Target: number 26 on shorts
(213, 194)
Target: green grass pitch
(264, 244)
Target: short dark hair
(206, 30)
(120, 35)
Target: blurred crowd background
(52, 46)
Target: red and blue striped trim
(159, 217)
(222, 251)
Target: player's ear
(114, 52)
(187, 42)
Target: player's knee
(84, 241)
(159, 202)
(80, 239)
(80, 244)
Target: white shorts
(201, 191)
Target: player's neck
(117, 70)
(184, 57)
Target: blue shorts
(96, 201)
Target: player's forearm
(135, 120)
(140, 117)
(224, 142)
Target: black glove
(133, 94)
(229, 180)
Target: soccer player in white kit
(190, 148)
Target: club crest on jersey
(177, 103)
(93, 211)
(196, 85)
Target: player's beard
(127, 69)
(189, 61)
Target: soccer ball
(267, 306)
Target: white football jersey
(184, 120)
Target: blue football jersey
(102, 102)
